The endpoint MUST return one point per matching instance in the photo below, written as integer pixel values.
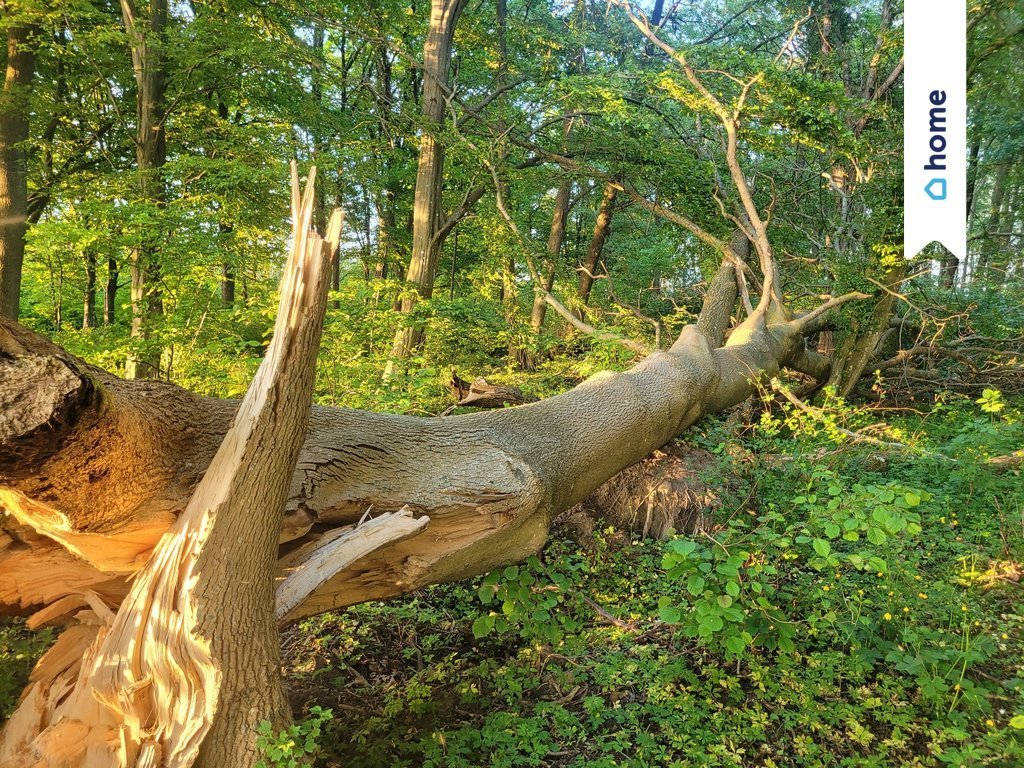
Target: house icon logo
(936, 189)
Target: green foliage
(847, 609)
(294, 746)
(19, 650)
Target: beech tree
(21, 41)
(757, 178)
(428, 228)
(146, 28)
(446, 513)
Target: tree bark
(110, 292)
(995, 214)
(227, 269)
(602, 229)
(89, 300)
(145, 36)
(556, 237)
(426, 247)
(14, 125)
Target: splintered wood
(140, 688)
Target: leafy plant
(295, 745)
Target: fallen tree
(95, 469)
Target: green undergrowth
(855, 604)
(854, 607)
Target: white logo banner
(935, 126)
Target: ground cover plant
(876, 625)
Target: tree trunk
(110, 292)
(487, 506)
(995, 212)
(227, 270)
(426, 247)
(972, 171)
(89, 302)
(145, 37)
(858, 348)
(14, 112)
(556, 236)
(190, 663)
(602, 229)
(949, 265)
(385, 204)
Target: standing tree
(428, 230)
(146, 30)
(14, 125)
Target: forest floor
(852, 606)
(590, 656)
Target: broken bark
(480, 394)
(189, 664)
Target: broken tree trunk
(93, 468)
(189, 665)
(480, 394)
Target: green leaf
(683, 547)
(735, 644)
(670, 614)
(822, 547)
(695, 585)
(483, 626)
(1017, 721)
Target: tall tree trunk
(89, 302)
(110, 292)
(145, 35)
(426, 247)
(556, 237)
(385, 204)
(227, 285)
(972, 172)
(602, 229)
(227, 266)
(224, 230)
(14, 112)
(995, 211)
